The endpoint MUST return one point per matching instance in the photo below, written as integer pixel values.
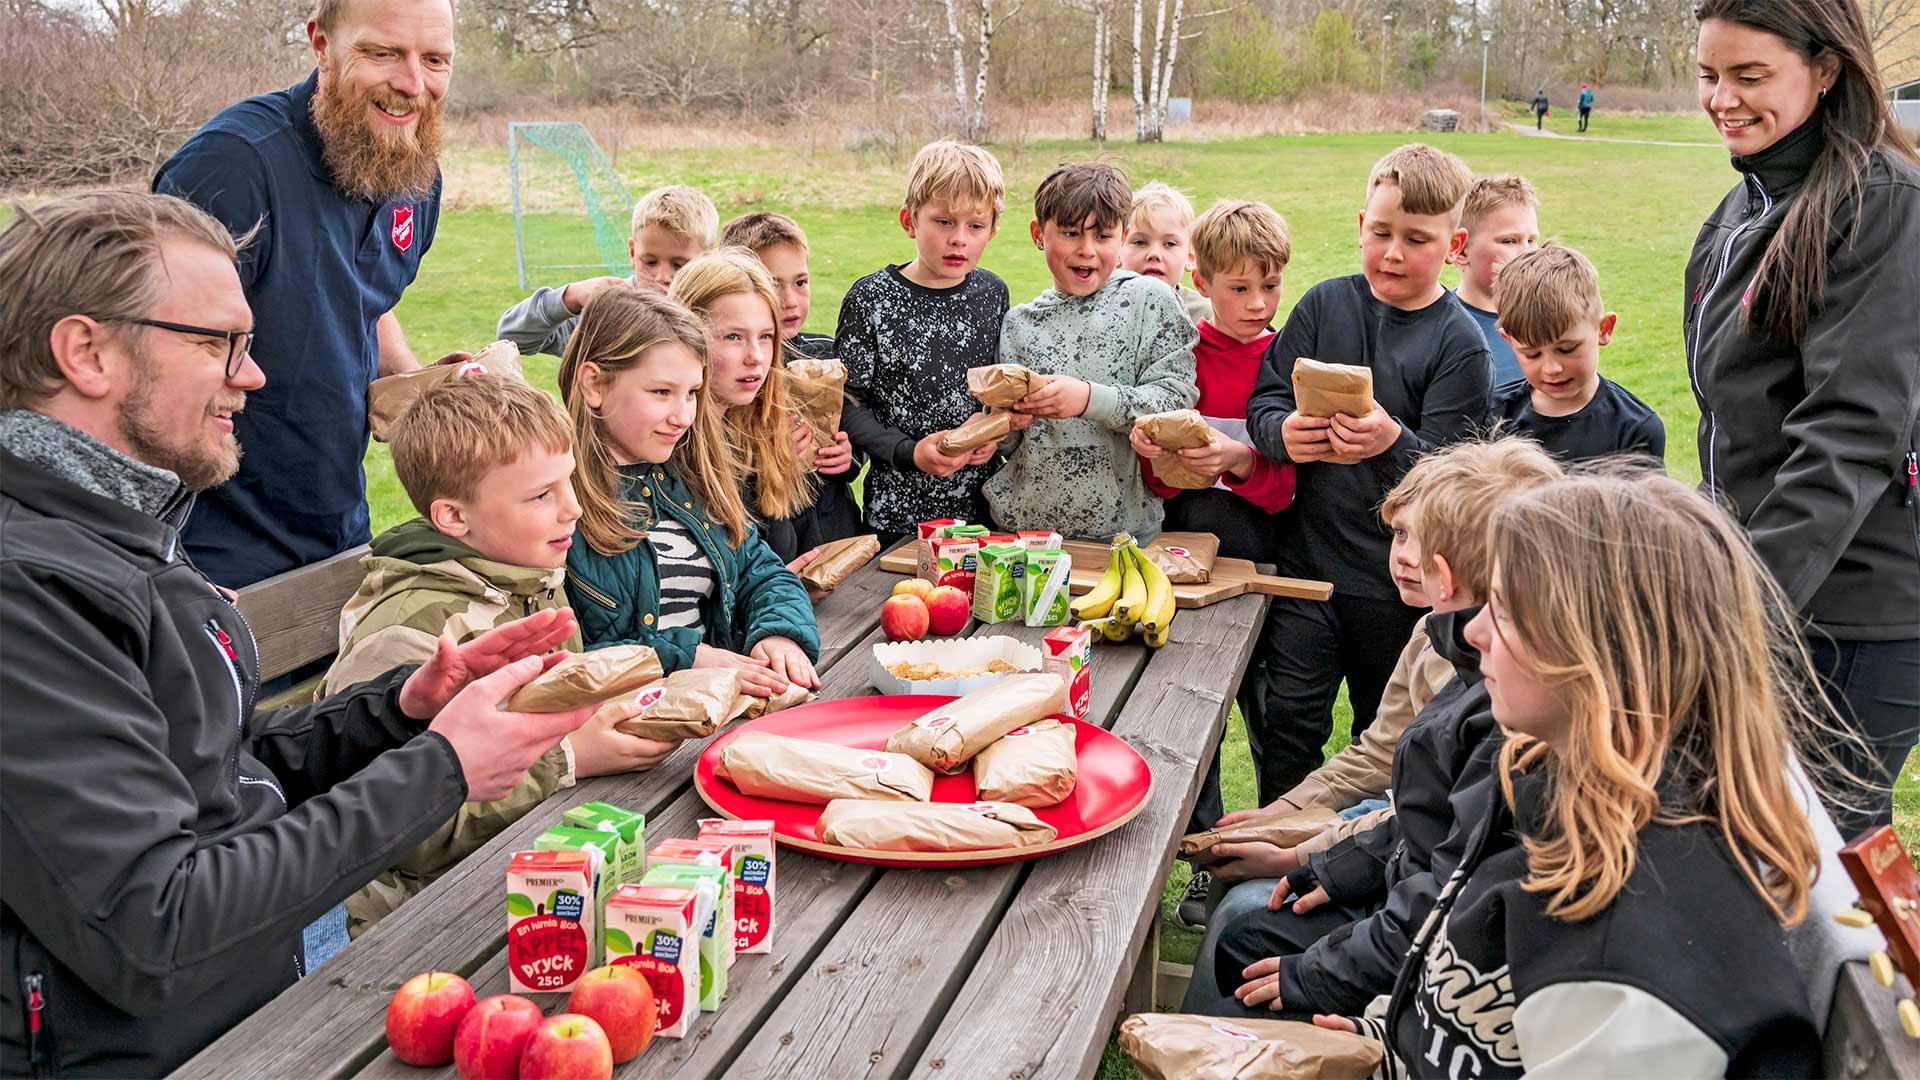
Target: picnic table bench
(1008, 971)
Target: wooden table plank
(330, 1023)
(1069, 940)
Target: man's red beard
(376, 166)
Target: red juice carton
(922, 550)
(1067, 651)
(550, 919)
(682, 851)
(956, 559)
(655, 929)
(753, 889)
(1038, 539)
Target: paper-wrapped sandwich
(691, 703)
(1280, 830)
(817, 389)
(946, 738)
(837, 562)
(870, 825)
(1002, 385)
(1032, 765)
(809, 771)
(390, 396)
(980, 429)
(1170, 1046)
(588, 678)
(1181, 429)
(1332, 390)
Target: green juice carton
(630, 860)
(709, 881)
(604, 848)
(998, 583)
(1045, 589)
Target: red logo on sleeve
(402, 227)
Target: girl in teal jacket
(665, 554)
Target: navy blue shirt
(321, 271)
(1614, 422)
(1506, 366)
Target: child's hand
(1062, 398)
(1020, 421)
(576, 295)
(1221, 455)
(785, 658)
(1276, 808)
(1307, 438)
(1283, 892)
(1254, 859)
(756, 679)
(1262, 986)
(836, 459)
(1335, 1023)
(601, 750)
(803, 442)
(928, 458)
(801, 562)
(1145, 447)
(980, 455)
(1366, 436)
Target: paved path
(1525, 130)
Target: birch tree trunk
(975, 126)
(959, 69)
(1151, 132)
(1098, 106)
(1165, 81)
(1139, 91)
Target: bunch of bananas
(1132, 597)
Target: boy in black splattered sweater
(908, 334)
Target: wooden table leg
(1140, 985)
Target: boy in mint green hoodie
(1118, 346)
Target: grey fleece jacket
(1132, 343)
(541, 323)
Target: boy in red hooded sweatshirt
(1240, 253)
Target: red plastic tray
(1113, 786)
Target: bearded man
(340, 177)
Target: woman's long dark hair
(1857, 120)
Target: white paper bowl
(953, 654)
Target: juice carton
(955, 558)
(752, 879)
(551, 927)
(998, 583)
(654, 930)
(630, 860)
(1067, 651)
(1038, 539)
(1045, 592)
(678, 851)
(998, 538)
(922, 550)
(710, 881)
(604, 849)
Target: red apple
(423, 1016)
(618, 998)
(492, 1037)
(567, 1047)
(948, 609)
(915, 586)
(904, 617)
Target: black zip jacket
(1814, 444)
(1686, 974)
(163, 844)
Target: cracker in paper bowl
(956, 666)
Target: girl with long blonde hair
(1650, 681)
(733, 292)
(670, 557)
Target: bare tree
(1894, 27)
(1150, 114)
(973, 112)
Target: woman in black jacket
(1803, 342)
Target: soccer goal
(570, 210)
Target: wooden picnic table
(1018, 970)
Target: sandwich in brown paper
(817, 389)
(948, 737)
(1001, 386)
(870, 825)
(810, 771)
(1181, 429)
(691, 703)
(837, 562)
(1032, 765)
(390, 396)
(1280, 830)
(588, 678)
(748, 707)
(1332, 390)
(980, 429)
(1185, 557)
(1173, 1046)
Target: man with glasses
(339, 175)
(164, 843)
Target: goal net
(571, 213)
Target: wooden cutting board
(1231, 577)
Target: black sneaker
(1192, 912)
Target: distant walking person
(1539, 108)
(1586, 104)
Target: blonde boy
(488, 464)
(1159, 242)
(1502, 218)
(671, 226)
(909, 332)
(1552, 316)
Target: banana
(1133, 594)
(1158, 614)
(1117, 631)
(1097, 603)
(1157, 636)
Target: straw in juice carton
(630, 860)
(922, 547)
(752, 878)
(550, 919)
(679, 851)
(711, 881)
(998, 583)
(654, 930)
(604, 847)
(1046, 594)
(1067, 651)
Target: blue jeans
(1241, 900)
(325, 936)
(1363, 808)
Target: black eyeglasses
(239, 342)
